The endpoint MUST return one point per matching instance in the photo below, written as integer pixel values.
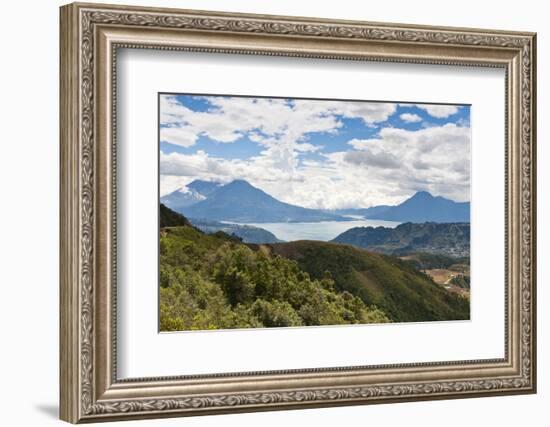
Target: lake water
(324, 230)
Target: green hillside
(425, 261)
(213, 281)
(169, 218)
(450, 239)
(395, 286)
(247, 233)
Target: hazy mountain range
(421, 207)
(240, 202)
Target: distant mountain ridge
(241, 202)
(192, 193)
(452, 239)
(422, 207)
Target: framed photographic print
(265, 212)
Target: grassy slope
(393, 285)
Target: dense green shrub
(215, 281)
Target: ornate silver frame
(90, 36)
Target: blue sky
(317, 153)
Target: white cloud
(305, 147)
(279, 125)
(386, 170)
(439, 111)
(255, 137)
(410, 118)
(369, 112)
(198, 164)
(373, 158)
(361, 144)
(435, 159)
(264, 120)
(185, 125)
(171, 183)
(178, 135)
(381, 170)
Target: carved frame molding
(90, 36)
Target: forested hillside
(449, 239)
(216, 282)
(395, 286)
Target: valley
(453, 281)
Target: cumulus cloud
(410, 118)
(193, 124)
(435, 159)
(368, 112)
(373, 158)
(178, 135)
(280, 126)
(305, 147)
(191, 165)
(171, 183)
(384, 169)
(263, 120)
(439, 111)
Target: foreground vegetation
(394, 285)
(214, 281)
